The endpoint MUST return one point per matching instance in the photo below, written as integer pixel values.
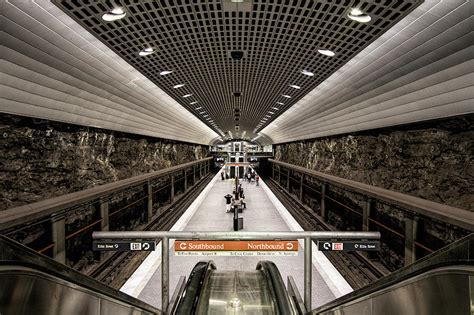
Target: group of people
(251, 176)
(235, 201)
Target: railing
(34, 284)
(413, 209)
(165, 236)
(50, 216)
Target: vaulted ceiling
(278, 40)
(411, 62)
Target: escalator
(441, 284)
(34, 284)
(209, 291)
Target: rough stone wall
(432, 160)
(40, 159)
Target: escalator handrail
(277, 286)
(14, 254)
(190, 298)
(457, 253)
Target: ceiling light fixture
(187, 95)
(203, 112)
(192, 103)
(197, 108)
(359, 16)
(275, 108)
(165, 72)
(271, 113)
(308, 73)
(146, 51)
(326, 52)
(295, 86)
(287, 96)
(115, 14)
(177, 86)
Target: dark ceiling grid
(280, 38)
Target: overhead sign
(124, 246)
(348, 246)
(236, 248)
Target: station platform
(264, 213)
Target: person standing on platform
(249, 177)
(222, 175)
(228, 202)
(241, 191)
(257, 178)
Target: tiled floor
(260, 215)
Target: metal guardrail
(32, 211)
(443, 213)
(165, 236)
(53, 211)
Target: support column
(58, 235)
(411, 226)
(366, 214)
(172, 187)
(273, 171)
(288, 180)
(165, 274)
(301, 187)
(104, 215)
(194, 175)
(323, 201)
(279, 175)
(307, 272)
(149, 204)
(200, 170)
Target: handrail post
(172, 187)
(185, 180)
(411, 226)
(58, 235)
(307, 272)
(323, 201)
(149, 204)
(288, 180)
(301, 187)
(165, 274)
(366, 214)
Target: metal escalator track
(260, 291)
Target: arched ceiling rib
(53, 69)
(420, 69)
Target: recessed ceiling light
(146, 51)
(287, 96)
(203, 112)
(205, 115)
(308, 73)
(326, 52)
(295, 86)
(280, 103)
(197, 107)
(187, 95)
(177, 86)
(165, 72)
(359, 16)
(192, 103)
(115, 14)
(275, 108)
(271, 113)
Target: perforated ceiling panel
(279, 39)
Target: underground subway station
(237, 157)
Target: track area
(116, 268)
(355, 267)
